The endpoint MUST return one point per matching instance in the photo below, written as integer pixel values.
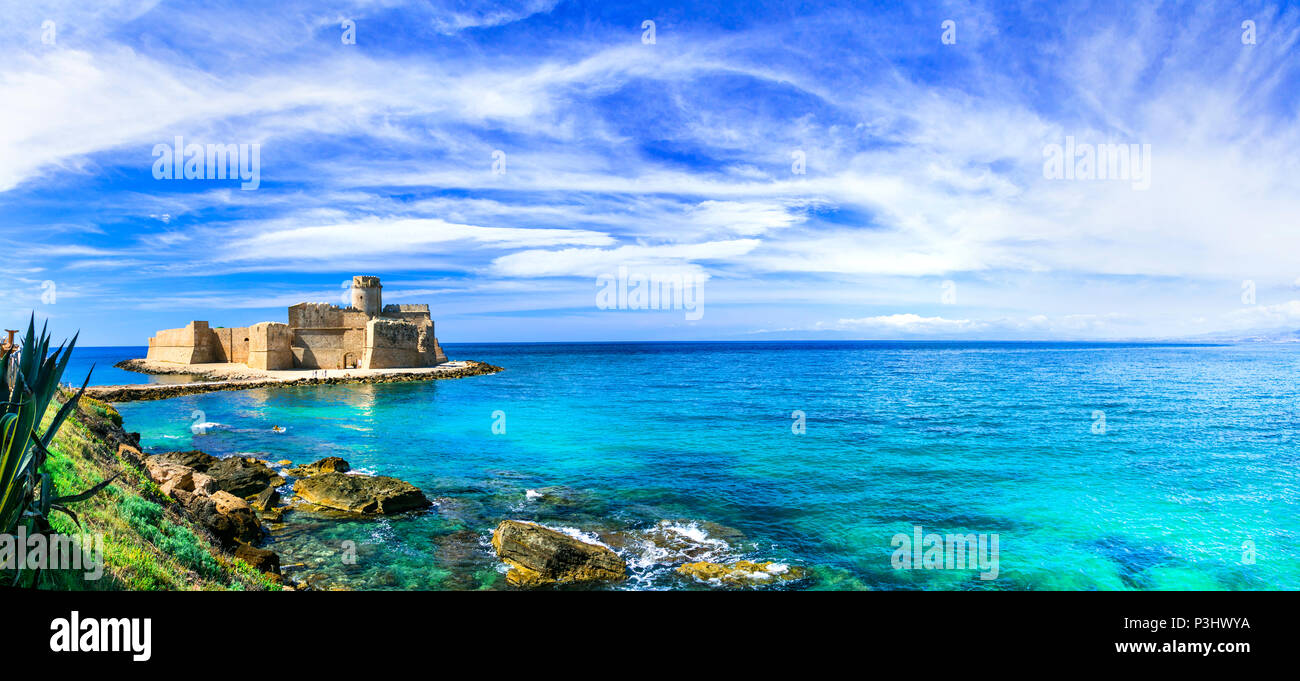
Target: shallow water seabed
(1098, 466)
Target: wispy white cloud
(923, 163)
(913, 324)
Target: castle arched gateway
(364, 335)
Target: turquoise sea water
(673, 450)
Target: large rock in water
(329, 464)
(538, 555)
(361, 493)
(266, 499)
(237, 475)
(742, 573)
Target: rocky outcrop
(191, 459)
(159, 544)
(538, 555)
(160, 391)
(367, 494)
(260, 559)
(742, 573)
(228, 517)
(243, 477)
(329, 464)
(267, 499)
(238, 475)
(180, 476)
(173, 477)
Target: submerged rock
(462, 510)
(563, 497)
(680, 541)
(329, 464)
(463, 553)
(538, 555)
(742, 573)
(360, 493)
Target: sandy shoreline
(229, 376)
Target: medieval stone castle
(365, 335)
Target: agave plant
(29, 379)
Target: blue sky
(924, 210)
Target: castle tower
(367, 295)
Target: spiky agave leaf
(34, 383)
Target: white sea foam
(691, 531)
(580, 535)
(532, 494)
(382, 532)
(672, 543)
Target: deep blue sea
(1097, 466)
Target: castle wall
(220, 345)
(190, 344)
(237, 351)
(429, 353)
(435, 356)
(326, 336)
(268, 346)
(315, 316)
(391, 344)
(410, 313)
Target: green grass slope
(148, 543)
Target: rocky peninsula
(217, 377)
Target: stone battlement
(392, 309)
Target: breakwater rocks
(160, 391)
